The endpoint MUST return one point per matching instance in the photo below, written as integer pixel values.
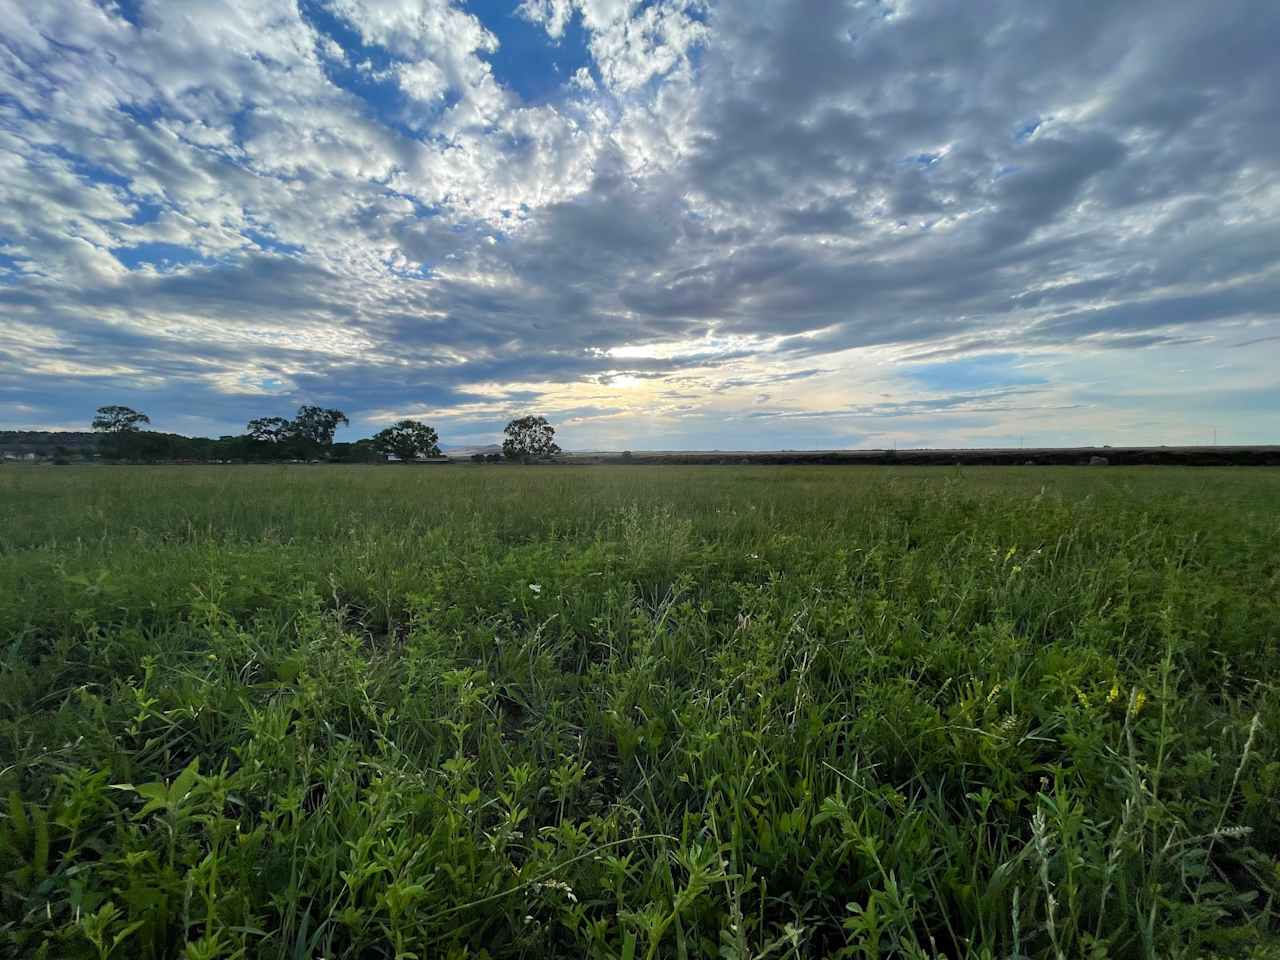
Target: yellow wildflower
(1137, 700)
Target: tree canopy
(529, 438)
(408, 440)
(309, 436)
(118, 419)
(269, 429)
(317, 425)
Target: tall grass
(299, 712)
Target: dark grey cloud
(1246, 299)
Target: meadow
(638, 712)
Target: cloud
(225, 204)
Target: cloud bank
(667, 224)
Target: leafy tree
(118, 419)
(408, 440)
(120, 424)
(268, 429)
(316, 425)
(229, 448)
(529, 438)
(362, 451)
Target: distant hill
(469, 451)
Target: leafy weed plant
(290, 712)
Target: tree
(268, 429)
(362, 451)
(230, 448)
(120, 424)
(529, 438)
(118, 419)
(317, 425)
(408, 440)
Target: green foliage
(306, 436)
(118, 419)
(529, 438)
(315, 425)
(361, 451)
(268, 429)
(273, 712)
(123, 438)
(408, 440)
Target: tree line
(308, 436)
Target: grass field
(301, 712)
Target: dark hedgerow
(271, 712)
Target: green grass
(300, 712)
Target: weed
(264, 712)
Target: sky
(674, 224)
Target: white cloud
(630, 42)
(422, 80)
(810, 185)
(553, 15)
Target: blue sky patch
(974, 373)
(146, 213)
(145, 114)
(528, 60)
(93, 172)
(162, 255)
(365, 74)
(130, 10)
(1027, 130)
(9, 269)
(271, 244)
(922, 160)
